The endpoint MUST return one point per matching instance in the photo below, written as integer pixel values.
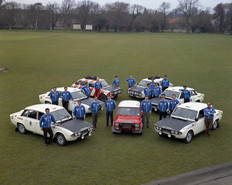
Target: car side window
(25, 113)
(91, 85)
(82, 82)
(182, 95)
(40, 115)
(77, 83)
(201, 114)
(32, 114)
(193, 93)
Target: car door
(193, 97)
(60, 99)
(92, 89)
(37, 125)
(200, 123)
(30, 119)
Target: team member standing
(98, 87)
(79, 111)
(45, 125)
(86, 89)
(156, 91)
(186, 93)
(173, 103)
(146, 109)
(148, 91)
(110, 106)
(165, 83)
(54, 95)
(66, 96)
(94, 107)
(131, 81)
(163, 107)
(209, 115)
(152, 85)
(116, 82)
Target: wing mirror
(196, 119)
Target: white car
(186, 121)
(77, 94)
(138, 90)
(195, 96)
(68, 130)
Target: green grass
(37, 61)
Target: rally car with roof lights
(107, 90)
(69, 129)
(77, 94)
(128, 118)
(195, 96)
(186, 121)
(138, 90)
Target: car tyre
(21, 128)
(189, 137)
(103, 97)
(215, 125)
(61, 140)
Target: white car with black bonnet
(186, 121)
(77, 94)
(69, 129)
(138, 90)
(195, 96)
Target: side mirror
(196, 119)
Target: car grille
(135, 93)
(126, 125)
(84, 131)
(116, 92)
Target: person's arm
(113, 82)
(168, 83)
(150, 108)
(127, 80)
(53, 119)
(205, 112)
(73, 113)
(135, 82)
(84, 112)
(51, 95)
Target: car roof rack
(155, 77)
(91, 77)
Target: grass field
(37, 61)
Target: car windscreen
(128, 111)
(104, 83)
(168, 94)
(185, 113)
(78, 95)
(60, 114)
(143, 83)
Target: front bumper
(129, 130)
(136, 94)
(175, 134)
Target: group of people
(152, 90)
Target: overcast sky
(151, 4)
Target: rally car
(68, 129)
(195, 96)
(105, 91)
(138, 90)
(186, 121)
(77, 94)
(128, 118)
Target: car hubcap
(21, 128)
(60, 139)
(215, 125)
(189, 137)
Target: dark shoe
(50, 143)
(46, 145)
(147, 126)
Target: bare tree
(11, 10)
(188, 8)
(164, 8)
(84, 10)
(35, 14)
(52, 9)
(68, 10)
(136, 10)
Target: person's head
(98, 79)
(65, 88)
(208, 104)
(165, 76)
(79, 102)
(54, 89)
(156, 84)
(148, 85)
(86, 83)
(173, 96)
(95, 98)
(152, 79)
(47, 111)
(116, 76)
(131, 76)
(185, 87)
(146, 98)
(163, 97)
(108, 97)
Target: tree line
(117, 16)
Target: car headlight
(116, 124)
(137, 125)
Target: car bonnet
(75, 125)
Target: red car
(128, 118)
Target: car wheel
(189, 137)
(215, 125)
(103, 97)
(21, 128)
(61, 140)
